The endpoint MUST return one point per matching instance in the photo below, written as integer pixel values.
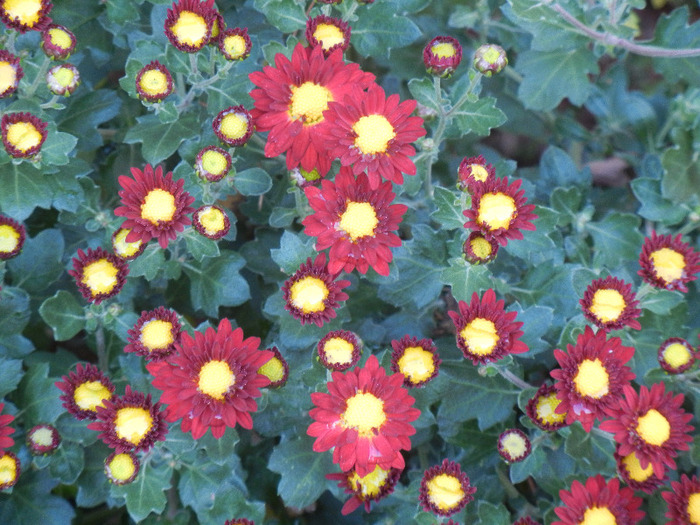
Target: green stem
(39, 76)
(102, 358)
(511, 377)
(347, 16)
(199, 87)
(50, 103)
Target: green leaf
(682, 174)
(653, 205)
(93, 487)
(24, 188)
(303, 471)
(14, 310)
(661, 302)
(294, 250)
(465, 278)
(557, 168)
(673, 31)
(67, 462)
(220, 451)
(286, 15)
(158, 140)
(63, 314)
(423, 90)
(149, 263)
(38, 396)
(591, 451)
(419, 282)
(566, 202)
(449, 210)
(616, 239)
(10, 375)
(477, 116)
(282, 217)
(253, 181)
(147, 493)
(490, 514)
(551, 76)
(200, 485)
(380, 29)
(39, 264)
(536, 321)
(217, 282)
(200, 246)
(31, 502)
(85, 113)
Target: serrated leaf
(591, 451)
(93, 487)
(63, 314)
(419, 281)
(10, 375)
(149, 263)
(380, 29)
(653, 205)
(31, 502)
(220, 450)
(549, 30)
(567, 202)
(85, 113)
(465, 278)
(423, 90)
(217, 282)
(661, 302)
(199, 486)
(160, 140)
(616, 239)
(448, 212)
(673, 31)
(253, 181)
(474, 116)
(67, 462)
(14, 310)
(490, 514)
(39, 263)
(38, 396)
(294, 250)
(286, 15)
(200, 246)
(536, 321)
(557, 168)
(147, 493)
(282, 217)
(24, 188)
(681, 179)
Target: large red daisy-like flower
(154, 205)
(683, 501)
(327, 32)
(26, 15)
(84, 390)
(668, 262)
(416, 360)
(290, 100)
(189, 24)
(632, 473)
(130, 422)
(373, 133)
(5, 429)
(376, 485)
(11, 73)
(366, 418)
(598, 502)
(610, 304)
(98, 274)
(591, 376)
(12, 237)
(212, 380)
(485, 332)
(445, 489)
(155, 334)
(542, 409)
(312, 294)
(651, 424)
(355, 221)
(23, 134)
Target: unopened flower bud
(442, 55)
(490, 59)
(63, 79)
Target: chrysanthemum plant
(349, 262)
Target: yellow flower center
(308, 294)
(374, 132)
(90, 395)
(9, 238)
(416, 364)
(123, 248)
(328, 35)
(190, 29)
(64, 77)
(694, 508)
(370, 485)
(154, 82)
(158, 206)
(23, 136)
(212, 220)
(235, 46)
(480, 336)
(478, 172)
(8, 76)
(42, 436)
(592, 379)
(308, 102)
(607, 304)
(156, 334)
(100, 276)
(496, 210)
(26, 10)
(234, 126)
(358, 220)
(444, 50)
(514, 445)
(654, 428)
(60, 38)
(635, 470)
(215, 379)
(133, 424)
(338, 351)
(122, 467)
(214, 162)
(491, 55)
(364, 412)
(546, 409)
(481, 247)
(598, 516)
(445, 491)
(8, 469)
(273, 370)
(668, 264)
(677, 355)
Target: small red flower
(122, 468)
(26, 15)
(542, 409)
(43, 440)
(339, 350)
(211, 222)
(610, 304)
(479, 249)
(473, 171)
(154, 82)
(5, 429)
(57, 42)
(153, 205)
(98, 274)
(445, 489)
(485, 332)
(189, 24)
(355, 221)
(683, 501)
(84, 390)
(11, 73)
(235, 44)
(126, 250)
(526, 520)
(312, 294)
(10, 469)
(632, 473)
(514, 445)
(591, 377)
(234, 126)
(155, 335)
(676, 355)
(12, 237)
(329, 33)
(276, 369)
(416, 360)
(668, 262)
(23, 134)
(213, 163)
(375, 486)
(442, 55)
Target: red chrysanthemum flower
(154, 205)
(26, 15)
(651, 424)
(57, 42)
(632, 473)
(328, 32)
(514, 445)
(416, 360)
(43, 440)
(211, 222)
(442, 55)
(12, 237)
(376, 485)
(63, 79)
(542, 409)
(239, 521)
(355, 221)
(610, 304)
(154, 82)
(366, 418)
(276, 369)
(373, 133)
(23, 134)
(5, 429)
(122, 468)
(291, 98)
(485, 332)
(591, 376)
(668, 262)
(131, 422)
(235, 44)
(212, 380)
(234, 126)
(339, 350)
(676, 355)
(84, 390)
(189, 23)
(312, 294)
(155, 335)
(98, 274)
(445, 489)
(526, 520)
(683, 501)
(213, 163)
(11, 73)
(126, 250)
(499, 210)
(598, 502)
(473, 171)
(10, 469)
(478, 249)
